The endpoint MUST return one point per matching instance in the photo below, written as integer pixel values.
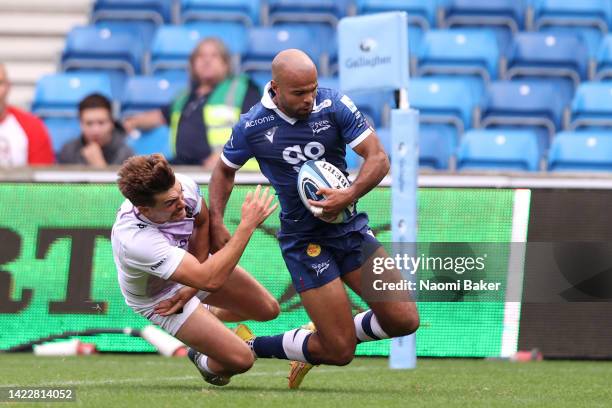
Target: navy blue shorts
(315, 263)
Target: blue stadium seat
(459, 52)
(62, 130)
(581, 151)
(144, 29)
(604, 59)
(524, 104)
(266, 42)
(505, 13)
(306, 11)
(437, 144)
(156, 11)
(421, 13)
(375, 105)
(324, 37)
(144, 93)
(59, 94)
(153, 141)
(499, 149)
(546, 55)
(444, 100)
(592, 106)
(261, 78)
(245, 12)
(563, 13)
(97, 48)
(172, 45)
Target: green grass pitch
(152, 381)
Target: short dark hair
(142, 177)
(95, 100)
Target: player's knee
(241, 363)
(341, 352)
(404, 324)
(268, 311)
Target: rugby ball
(315, 174)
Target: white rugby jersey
(147, 254)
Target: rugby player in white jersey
(161, 249)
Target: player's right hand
(257, 206)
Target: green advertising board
(57, 272)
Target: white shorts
(174, 322)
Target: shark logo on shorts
(321, 267)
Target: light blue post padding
(404, 171)
(373, 52)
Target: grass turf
(151, 381)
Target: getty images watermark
(541, 272)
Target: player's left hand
(335, 201)
(176, 302)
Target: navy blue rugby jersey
(281, 145)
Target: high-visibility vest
(220, 113)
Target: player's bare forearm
(220, 188)
(374, 168)
(199, 243)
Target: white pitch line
(139, 380)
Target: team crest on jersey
(189, 212)
(269, 134)
(326, 103)
(313, 250)
(319, 126)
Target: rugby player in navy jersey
(296, 121)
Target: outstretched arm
(220, 188)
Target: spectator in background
(102, 141)
(202, 117)
(24, 140)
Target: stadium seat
(144, 29)
(604, 60)
(459, 52)
(375, 105)
(148, 92)
(62, 130)
(498, 149)
(524, 104)
(153, 141)
(306, 11)
(437, 144)
(261, 78)
(443, 100)
(172, 45)
(581, 151)
(592, 106)
(324, 37)
(265, 42)
(500, 13)
(156, 11)
(421, 13)
(562, 13)
(245, 12)
(59, 94)
(91, 47)
(545, 55)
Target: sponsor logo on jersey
(269, 134)
(189, 212)
(313, 250)
(157, 265)
(326, 103)
(348, 103)
(258, 121)
(141, 226)
(319, 126)
(321, 267)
